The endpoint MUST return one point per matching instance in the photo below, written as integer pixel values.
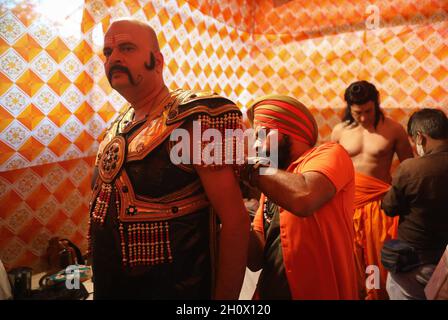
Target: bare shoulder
(391, 122)
(395, 127)
(338, 130)
(400, 138)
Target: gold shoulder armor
(199, 102)
(120, 122)
(113, 129)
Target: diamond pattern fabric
(55, 100)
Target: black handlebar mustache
(122, 69)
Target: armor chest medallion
(112, 159)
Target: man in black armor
(154, 224)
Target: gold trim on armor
(191, 96)
(135, 209)
(112, 131)
(148, 138)
(187, 97)
(201, 109)
(112, 159)
(152, 133)
(190, 189)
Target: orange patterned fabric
(304, 19)
(54, 105)
(406, 63)
(41, 202)
(55, 100)
(226, 46)
(372, 229)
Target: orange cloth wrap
(372, 229)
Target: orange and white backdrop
(55, 99)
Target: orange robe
(372, 229)
(318, 250)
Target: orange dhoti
(372, 229)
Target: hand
(250, 171)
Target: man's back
(372, 150)
(419, 195)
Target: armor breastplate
(144, 217)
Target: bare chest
(359, 141)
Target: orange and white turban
(285, 114)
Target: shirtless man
(371, 140)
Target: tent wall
(56, 101)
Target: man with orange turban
(371, 139)
(303, 231)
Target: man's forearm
(233, 247)
(284, 188)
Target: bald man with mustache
(154, 223)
